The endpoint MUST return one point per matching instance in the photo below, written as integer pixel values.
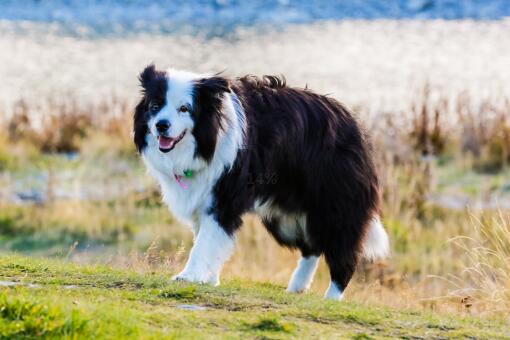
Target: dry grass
(476, 133)
(410, 156)
(484, 284)
(63, 127)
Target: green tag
(188, 173)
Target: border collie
(222, 147)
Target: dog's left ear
(207, 112)
(213, 85)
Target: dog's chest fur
(186, 204)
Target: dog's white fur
(211, 249)
(292, 225)
(302, 276)
(334, 292)
(376, 244)
(212, 246)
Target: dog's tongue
(165, 142)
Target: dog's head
(180, 113)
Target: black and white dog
(222, 147)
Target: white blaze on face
(179, 93)
(180, 85)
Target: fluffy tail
(376, 244)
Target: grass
(136, 232)
(443, 152)
(22, 318)
(68, 300)
(489, 264)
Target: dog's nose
(162, 125)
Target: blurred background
(429, 79)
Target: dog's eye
(183, 108)
(153, 107)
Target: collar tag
(188, 173)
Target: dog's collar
(188, 173)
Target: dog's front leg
(212, 247)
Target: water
(218, 17)
(17, 283)
(191, 307)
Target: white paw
(334, 292)
(295, 291)
(296, 288)
(198, 277)
(190, 277)
(334, 297)
(302, 276)
(214, 280)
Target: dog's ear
(214, 85)
(207, 113)
(147, 75)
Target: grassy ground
(135, 231)
(73, 188)
(54, 299)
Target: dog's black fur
(304, 152)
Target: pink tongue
(165, 142)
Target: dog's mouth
(166, 144)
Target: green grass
(67, 300)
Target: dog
(221, 147)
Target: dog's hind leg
(342, 255)
(339, 237)
(303, 274)
(342, 260)
(342, 265)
